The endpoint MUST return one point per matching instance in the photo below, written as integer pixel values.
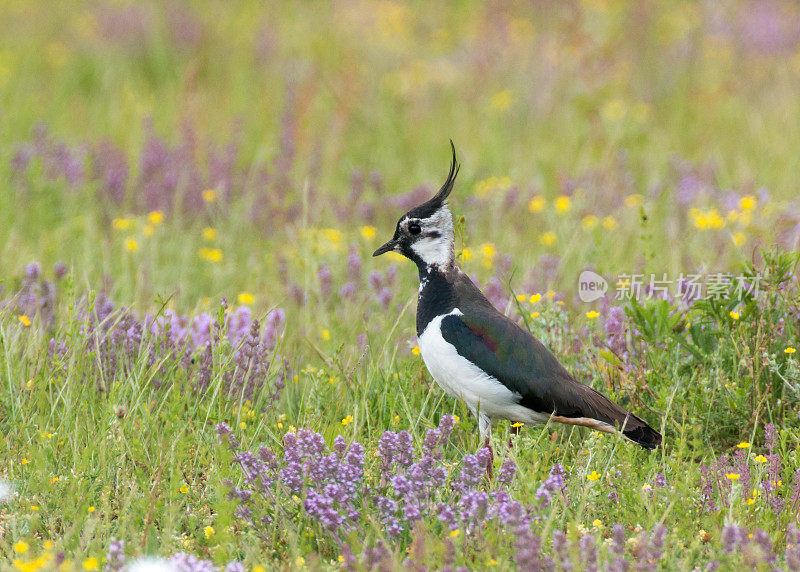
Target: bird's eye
(414, 228)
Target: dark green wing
(523, 364)
(518, 360)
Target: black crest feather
(429, 207)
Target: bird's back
(512, 355)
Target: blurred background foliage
(284, 111)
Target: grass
(612, 136)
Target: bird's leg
(485, 427)
(488, 445)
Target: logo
(591, 286)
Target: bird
(478, 354)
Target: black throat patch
(437, 295)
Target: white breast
(462, 379)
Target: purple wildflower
(324, 276)
(507, 472)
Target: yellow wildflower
(396, 420)
(347, 420)
(535, 314)
(21, 547)
(454, 533)
(32, 565)
(396, 257)
(485, 187)
(535, 298)
(551, 294)
(609, 223)
(593, 476)
(597, 523)
(131, 245)
(466, 254)
(517, 424)
(326, 335)
(706, 220)
(155, 217)
(592, 314)
(521, 297)
(121, 223)
(184, 489)
(632, 201)
(488, 249)
(734, 315)
(368, 231)
(332, 235)
(415, 350)
(537, 204)
(34, 507)
(211, 254)
(300, 561)
(732, 476)
(209, 531)
(24, 320)
(747, 202)
(789, 350)
(54, 480)
(761, 458)
(91, 564)
(210, 233)
(547, 238)
(492, 562)
(209, 195)
(502, 100)
(589, 221)
(614, 110)
(739, 238)
(744, 445)
(246, 298)
(25, 460)
(90, 509)
(563, 204)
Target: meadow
(203, 368)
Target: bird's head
(425, 233)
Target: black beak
(385, 248)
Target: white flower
(5, 491)
(151, 564)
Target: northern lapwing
(477, 354)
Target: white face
(434, 244)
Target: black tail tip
(645, 436)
